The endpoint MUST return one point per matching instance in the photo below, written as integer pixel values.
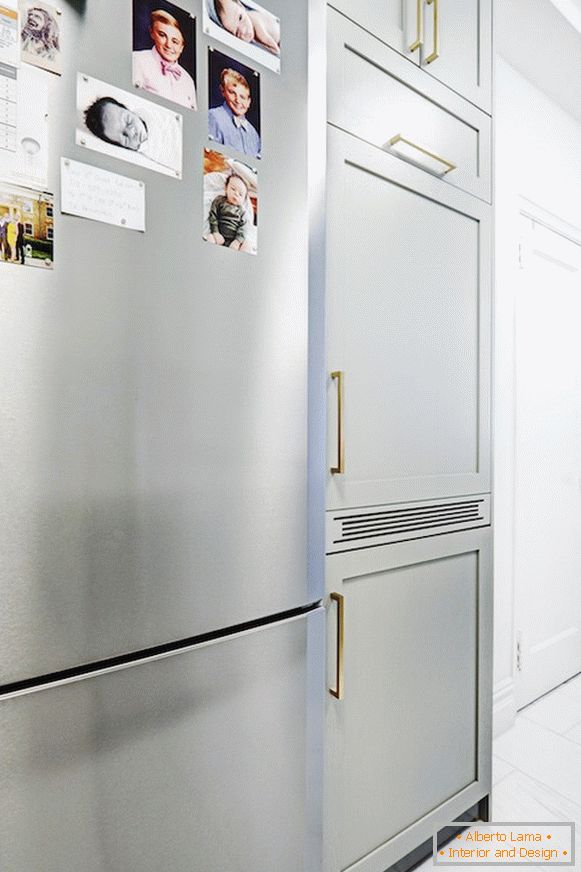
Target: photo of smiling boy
(234, 100)
(164, 51)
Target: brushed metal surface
(203, 761)
(153, 430)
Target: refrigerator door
(153, 438)
(204, 761)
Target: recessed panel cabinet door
(408, 319)
(457, 47)
(396, 22)
(409, 742)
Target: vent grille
(363, 528)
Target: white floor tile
(520, 798)
(558, 711)
(500, 769)
(574, 735)
(573, 687)
(544, 756)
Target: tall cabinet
(409, 575)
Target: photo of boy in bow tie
(163, 68)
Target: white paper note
(9, 34)
(90, 192)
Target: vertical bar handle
(340, 468)
(436, 52)
(339, 690)
(419, 27)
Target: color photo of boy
(230, 203)
(234, 100)
(228, 218)
(164, 51)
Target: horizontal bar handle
(447, 163)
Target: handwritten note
(90, 192)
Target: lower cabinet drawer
(379, 96)
(409, 739)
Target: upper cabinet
(376, 95)
(457, 46)
(408, 321)
(450, 39)
(396, 22)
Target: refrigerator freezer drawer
(202, 761)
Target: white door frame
(534, 212)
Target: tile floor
(537, 765)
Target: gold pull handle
(340, 468)
(339, 691)
(419, 27)
(399, 138)
(436, 52)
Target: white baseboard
(503, 707)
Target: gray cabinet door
(408, 300)
(396, 22)
(375, 94)
(202, 761)
(409, 743)
(460, 33)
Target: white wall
(538, 157)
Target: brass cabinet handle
(419, 27)
(399, 138)
(436, 52)
(340, 468)
(339, 691)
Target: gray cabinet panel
(409, 271)
(393, 21)
(204, 761)
(465, 47)
(409, 744)
(375, 94)
(463, 38)
(154, 438)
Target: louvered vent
(378, 526)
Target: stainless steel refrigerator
(161, 631)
